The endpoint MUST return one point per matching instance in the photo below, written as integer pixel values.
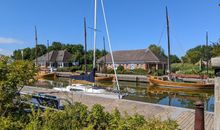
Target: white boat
(81, 88)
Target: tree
(17, 55)
(199, 52)
(55, 46)
(13, 77)
(157, 49)
(174, 59)
(41, 50)
(27, 53)
(216, 49)
(77, 51)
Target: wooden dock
(184, 117)
(186, 121)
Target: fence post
(199, 116)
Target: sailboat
(91, 76)
(167, 81)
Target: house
(133, 59)
(56, 59)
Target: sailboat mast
(85, 51)
(48, 52)
(168, 41)
(207, 60)
(104, 50)
(36, 44)
(95, 17)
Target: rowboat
(162, 81)
(42, 75)
(104, 78)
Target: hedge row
(78, 117)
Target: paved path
(184, 117)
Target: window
(132, 66)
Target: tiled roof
(58, 56)
(133, 56)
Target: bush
(69, 69)
(185, 68)
(159, 72)
(110, 71)
(89, 67)
(190, 69)
(120, 68)
(79, 117)
(140, 71)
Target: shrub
(159, 72)
(69, 69)
(120, 68)
(185, 68)
(140, 71)
(79, 117)
(110, 71)
(190, 69)
(89, 67)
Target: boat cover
(87, 77)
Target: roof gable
(133, 56)
(55, 56)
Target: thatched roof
(133, 57)
(55, 56)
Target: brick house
(133, 59)
(56, 59)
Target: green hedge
(75, 68)
(89, 67)
(187, 68)
(70, 69)
(125, 71)
(78, 117)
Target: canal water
(145, 93)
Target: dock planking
(184, 117)
(186, 120)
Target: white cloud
(7, 40)
(5, 52)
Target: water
(143, 92)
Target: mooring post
(216, 65)
(217, 104)
(199, 116)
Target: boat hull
(158, 82)
(81, 88)
(46, 75)
(104, 78)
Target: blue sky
(133, 24)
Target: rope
(161, 35)
(109, 42)
(177, 40)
